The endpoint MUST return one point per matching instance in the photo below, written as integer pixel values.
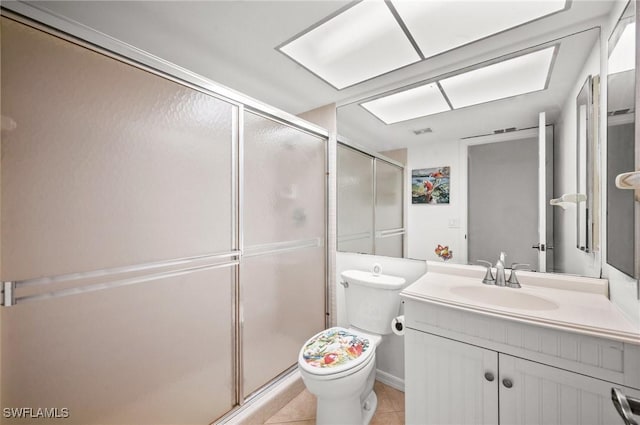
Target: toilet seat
(336, 352)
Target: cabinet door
(445, 381)
(541, 394)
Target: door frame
(464, 176)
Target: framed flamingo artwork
(430, 185)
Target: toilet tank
(372, 300)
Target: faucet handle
(488, 277)
(513, 279)
(516, 266)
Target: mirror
(622, 206)
(443, 140)
(585, 161)
(370, 207)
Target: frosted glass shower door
(282, 274)
(355, 201)
(389, 209)
(117, 232)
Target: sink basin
(503, 297)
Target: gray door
(503, 201)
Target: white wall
(567, 257)
(390, 353)
(429, 225)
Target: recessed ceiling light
(355, 45)
(623, 57)
(408, 104)
(441, 25)
(522, 74)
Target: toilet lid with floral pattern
(335, 350)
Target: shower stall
(163, 239)
(370, 202)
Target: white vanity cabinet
(445, 381)
(462, 367)
(541, 394)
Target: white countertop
(581, 312)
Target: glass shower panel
(282, 275)
(390, 246)
(158, 352)
(284, 183)
(106, 164)
(107, 168)
(283, 304)
(389, 208)
(355, 201)
(388, 196)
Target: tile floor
(302, 409)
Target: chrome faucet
(500, 278)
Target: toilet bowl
(341, 374)
(338, 365)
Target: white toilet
(338, 365)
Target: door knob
(507, 383)
(489, 376)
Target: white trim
(390, 380)
(542, 195)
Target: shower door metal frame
(376, 156)
(44, 20)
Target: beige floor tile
(384, 402)
(401, 416)
(387, 418)
(396, 397)
(378, 386)
(301, 408)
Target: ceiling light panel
(441, 25)
(512, 77)
(360, 43)
(408, 104)
(623, 57)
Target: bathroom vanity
(481, 354)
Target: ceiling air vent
(504, 130)
(422, 131)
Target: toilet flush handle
(344, 283)
(377, 269)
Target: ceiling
(234, 43)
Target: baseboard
(390, 380)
